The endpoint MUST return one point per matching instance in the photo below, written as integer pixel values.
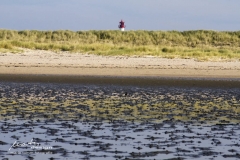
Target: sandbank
(64, 64)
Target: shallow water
(70, 121)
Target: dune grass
(199, 44)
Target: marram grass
(199, 44)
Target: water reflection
(106, 122)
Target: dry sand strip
(37, 62)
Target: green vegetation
(200, 44)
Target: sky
(180, 15)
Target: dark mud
(72, 121)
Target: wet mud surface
(70, 121)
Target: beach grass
(199, 44)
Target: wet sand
(124, 81)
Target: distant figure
(121, 25)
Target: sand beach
(35, 62)
(65, 67)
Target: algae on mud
(152, 105)
(120, 122)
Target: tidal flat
(74, 121)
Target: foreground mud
(41, 121)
